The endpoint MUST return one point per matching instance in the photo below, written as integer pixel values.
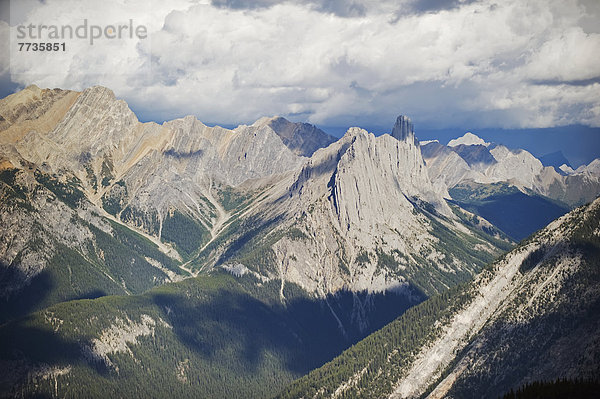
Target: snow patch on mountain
(468, 139)
(566, 169)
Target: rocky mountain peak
(591, 169)
(32, 109)
(403, 129)
(100, 91)
(354, 132)
(275, 122)
(468, 139)
(302, 138)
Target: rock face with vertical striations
(531, 316)
(403, 129)
(361, 214)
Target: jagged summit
(403, 129)
(302, 139)
(354, 131)
(467, 139)
(591, 168)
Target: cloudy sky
(446, 63)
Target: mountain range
(229, 262)
(470, 159)
(510, 188)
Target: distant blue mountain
(516, 213)
(555, 159)
(474, 154)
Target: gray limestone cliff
(403, 129)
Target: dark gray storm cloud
(577, 82)
(341, 8)
(433, 6)
(244, 4)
